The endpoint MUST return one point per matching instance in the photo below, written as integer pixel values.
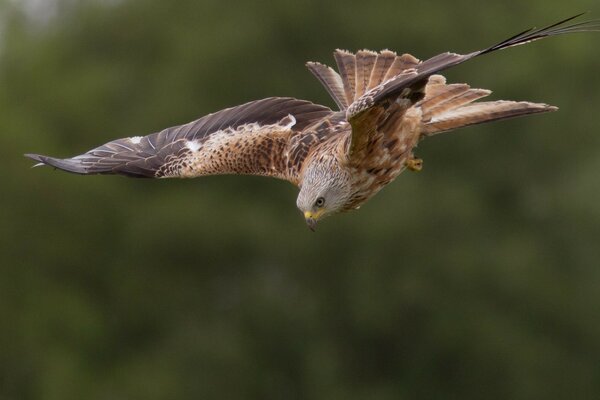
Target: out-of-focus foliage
(476, 278)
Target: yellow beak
(311, 219)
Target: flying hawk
(338, 159)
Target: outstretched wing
(252, 138)
(380, 106)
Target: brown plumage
(339, 159)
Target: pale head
(324, 191)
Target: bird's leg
(414, 164)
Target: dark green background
(478, 278)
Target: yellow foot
(414, 164)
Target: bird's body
(339, 159)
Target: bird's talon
(414, 164)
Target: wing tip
(69, 164)
(41, 160)
(34, 157)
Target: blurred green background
(477, 278)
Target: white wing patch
(193, 145)
(290, 124)
(136, 139)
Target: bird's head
(324, 191)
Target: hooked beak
(311, 221)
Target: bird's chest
(385, 159)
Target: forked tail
(451, 106)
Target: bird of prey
(387, 103)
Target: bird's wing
(369, 112)
(252, 139)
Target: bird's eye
(320, 202)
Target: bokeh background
(477, 278)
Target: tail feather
(435, 86)
(451, 106)
(444, 98)
(478, 113)
(430, 103)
